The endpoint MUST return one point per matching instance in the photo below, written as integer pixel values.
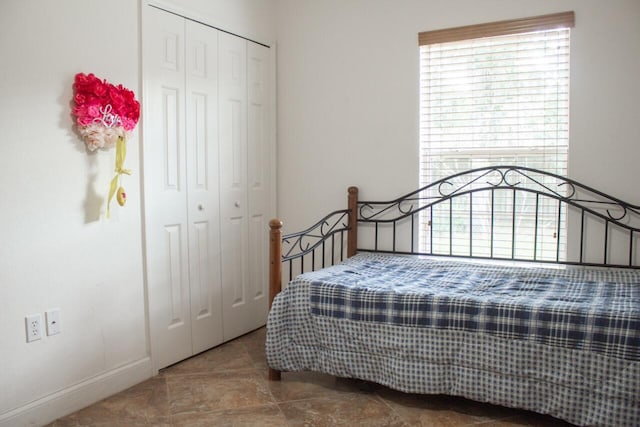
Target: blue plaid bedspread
(574, 308)
(560, 342)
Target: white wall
(348, 94)
(57, 249)
(605, 97)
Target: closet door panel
(236, 249)
(258, 175)
(233, 184)
(258, 273)
(203, 186)
(233, 121)
(165, 190)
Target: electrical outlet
(33, 324)
(53, 321)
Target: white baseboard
(78, 396)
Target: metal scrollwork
(541, 183)
(405, 211)
(303, 242)
(538, 182)
(442, 192)
(620, 217)
(572, 188)
(500, 174)
(505, 178)
(361, 211)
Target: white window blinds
(500, 97)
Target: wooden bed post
(275, 272)
(352, 233)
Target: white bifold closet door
(206, 185)
(181, 187)
(244, 178)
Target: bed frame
(600, 231)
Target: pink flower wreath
(103, 111)
(105, 114)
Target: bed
(506, 285)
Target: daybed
(543, 315)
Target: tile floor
(227, 386)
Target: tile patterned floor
(227, 386)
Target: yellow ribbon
(121, 153)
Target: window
(495, 94)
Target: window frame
(564, 20)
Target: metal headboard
(589, 227)
(593, 218)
